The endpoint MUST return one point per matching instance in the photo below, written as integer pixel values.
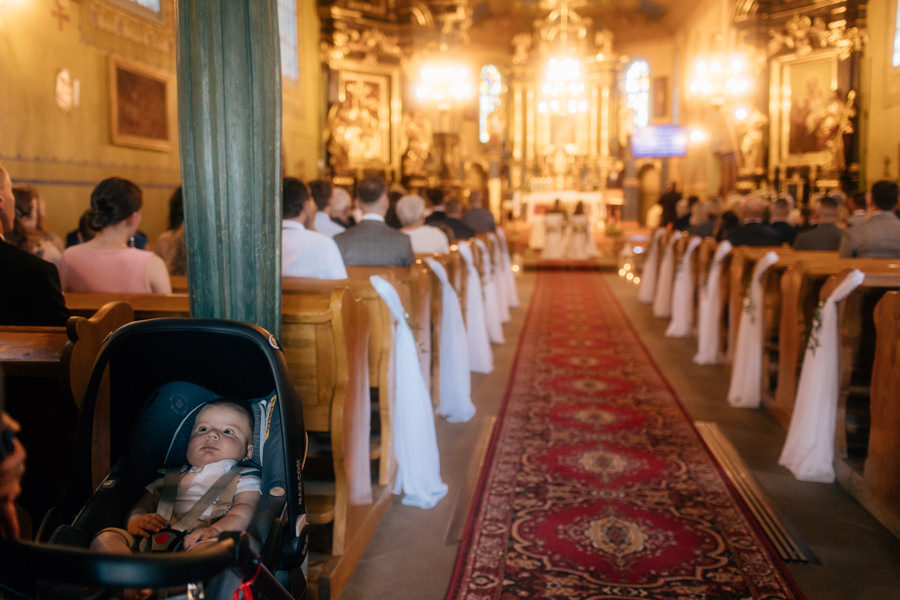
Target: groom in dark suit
(31, 293)
(371, 242)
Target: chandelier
(721, 77)
(444, 83)
(562, 90)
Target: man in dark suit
(879, 235)
(778, 220)
(371, 242)
(477, 217)
(31, 292)
(460, 230)
(436, 200)
(752, 231)
(826, 235)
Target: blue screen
(658, 141)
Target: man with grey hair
(31, 291)
(752, 231)
(371, 242)
(879, 235)
(425, 239)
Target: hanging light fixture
(562, 90)
(443, 81)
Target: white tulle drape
(662, 301)
(709, 311)
(647, 290)
(491, 305)
(481, 357)
(809, 448)
(682, 323)
(412, 417)
(499, 280)
(512, 293)
(746, 372)
(456, 389)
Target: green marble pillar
(229, 120)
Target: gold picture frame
(802, 87)
(139, 98)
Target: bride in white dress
(555, 230)
(580, 244)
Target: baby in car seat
(209, 495)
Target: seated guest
(305, 252)
(436, 213)
(30, 212)
(460, 230)
(826, 235)
(704, 217)
(425, 238)
(684, 210)
(727, 222)
(170, 245)
(879, 235)
(859, 205)
(371, 242)
(31, 291)
(341, 208)
(477, 217)
(322, 191)
(107, 263)
(83, 232)
(778, 218)
(752, 231)
(394, 194)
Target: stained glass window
(287, 30)
(151, 4)
(490, 86)
(637, 91)
(895, 55)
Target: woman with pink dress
(106, 263)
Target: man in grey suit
(371, 242)
(826, 235)
(879, 235)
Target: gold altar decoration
(802, 35)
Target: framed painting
(139, 98)
(363, 125)
(803, 91)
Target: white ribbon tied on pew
(662, 302)
(412, 417)
(647, 291)
(491, 306)
(481, 357)
(709, 311)
(499, 280)
(456, 385)
(809, 448)
(682, 322)
(512, 295)
(746, 373)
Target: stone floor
(413, 553)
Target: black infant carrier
(157, 375)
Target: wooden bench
(62, 357)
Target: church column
(229, 117)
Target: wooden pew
(857, 410)
(179, 284)
(64, 355)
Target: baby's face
(220, 432)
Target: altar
(527, 204)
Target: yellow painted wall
(875, 105)
(65, 154)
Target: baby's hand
(200, 536)
(144, 525)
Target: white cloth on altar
(662, 301)
(499, 280)
(682, 323)
(651, 265)
(456, 385)
(809, 448)
(491, 305)
(709, 310)
(481, 357)
(513, 295)
(554, 241)
(746, 370)
(412, 417)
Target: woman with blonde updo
(106, 263)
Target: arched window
(287, 31)
(637, 91)
(490, 86)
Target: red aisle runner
(596, 484)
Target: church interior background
(525, 101)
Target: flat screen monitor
(658, 141)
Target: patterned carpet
(596, 484)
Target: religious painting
(805, 101)
(139, 105)
(660, 97)
(359, 123)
